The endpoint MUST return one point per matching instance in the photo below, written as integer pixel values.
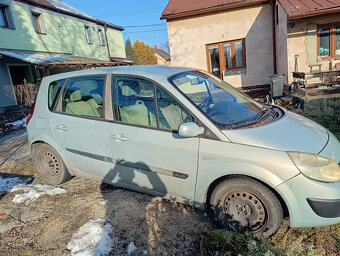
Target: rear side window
(84, 96)
(53, 92)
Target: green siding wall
(116, 43)
(64, 34)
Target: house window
(88, 35)
(4, 22)
(38, 23)
(226, 56)
(101, 37)
(329, 40)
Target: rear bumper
(325, 207)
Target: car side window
(171, 114)
(53, 92)
(84, 96)
(133, 101)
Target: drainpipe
(107, 42)
(273, 2)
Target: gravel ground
(160, 227)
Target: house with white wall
(245, 41)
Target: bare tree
(165, 46)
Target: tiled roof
(183, 8)
(60, 6)
(305, 8)
(294, 8)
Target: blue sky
(129, 13)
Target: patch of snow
(6, 184)
(32, 192)
(92, 239)
(21, 122)
(104, 202)
(131, 247)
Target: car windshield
(227, 107)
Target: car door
(79, 126)
(147, 152)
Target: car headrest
(97, 98)
(75, 96)
(130, 88)
(86, 85)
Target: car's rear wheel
(50, 166)
(243, 204)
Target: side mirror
(190, 129)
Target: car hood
(291, 132)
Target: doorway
(19, 73)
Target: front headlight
(316, 167)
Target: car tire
(243, 204)
(50, 166)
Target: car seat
(82, 108)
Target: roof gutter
(315, 13)
(54, 9)
(212, 9)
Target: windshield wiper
(263, 113)
(268, 112)
(245, 124)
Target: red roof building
(309, 8)
(244, 41)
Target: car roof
(153, 72)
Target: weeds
(336, 243)
(229, 243)
(25, 93)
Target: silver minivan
(188, 136)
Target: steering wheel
(206, 102)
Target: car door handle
(61, 127)
(119, 137)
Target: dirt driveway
(46, 225)
(155, 226)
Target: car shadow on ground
(153, 224)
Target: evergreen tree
(130, 53)
(145, 53)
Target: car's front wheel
(243, 204)
(50, 166)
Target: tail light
(30, 114)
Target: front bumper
(311, 203)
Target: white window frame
(38, 22)
(101, 37)
(88, 34)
